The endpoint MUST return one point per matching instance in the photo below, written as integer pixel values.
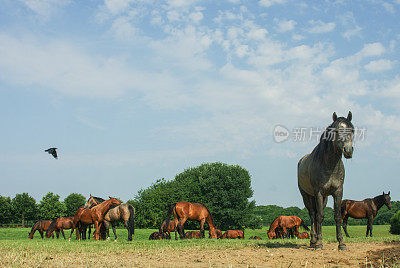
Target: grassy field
(17, 250)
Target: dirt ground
(294, 255)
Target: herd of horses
(320, 174)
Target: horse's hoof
(342, 247)
(69, 239)
(108, 238)
(115, 240)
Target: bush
(395, 224)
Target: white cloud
(319, 26)
(372, 49)
(123, 29)
(196, 17)
(285, 25)
(268, 3)
(44, 8)
(116, 7)
(388, 7)
(379, 65)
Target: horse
(217, 232)
(156, 236)
(232, 234)
(303, 235)
(59, 225)
(321, 174)
(194, 234)
(285, 222)
(255, 237)
(171, 228)
(368, 208)
(94, 215)
(40, 226)
(124, 212)
(184, 211)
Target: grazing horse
(59, 225)
(303, 235)
(283, 223)
(184, 211)
(171, 228)
(368, 208)
(124, 212)
(194, 234)
(40, 226)
(321, 174)
(232, 234)
(255, 237)
(94, 215)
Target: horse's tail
(302, 224)
(168, 217)
(51, 228)
(131, 220)
(209, 218)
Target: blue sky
(132, 91)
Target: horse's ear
(334, 116)
(349, 116)
(383, 192)
(388, 193)
(109, 197)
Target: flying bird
(53, 152)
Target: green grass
(17, 250)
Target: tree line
(224, 189)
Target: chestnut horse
(124, 212)
(94, 215)
(286, 222)
(303, 235)
(194, 234)
(59, 225)
(155, 236)
(217, 232)
(184, 211)
(232, 234)
(40, 226)
(368, 208)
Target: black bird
(52, 151)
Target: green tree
(6, 213)
(395, 224)
(50, 207)
(24, 207)
(72, 202)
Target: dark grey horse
(123, 212)
(321, 174)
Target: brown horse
(286, 222)
(171, 228)
(232, 234)
(255, 237)
(366, 209)
(194, 234)
(184, 211)
(303, 235)
(59, 225)
(40, 226)
(155, 236)
(217, 232)
(124, 212)
(94, 215)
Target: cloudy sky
(131, 91)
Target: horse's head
(341, 132)
(214, 233)
(30, 236)
(114, 201)
(386, 198)
(271, 235)
(90, 203)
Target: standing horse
(40, 226)
(282, 224)
(124, 212)
(368, 208)
(59, 225)
(321, 174)
(94, 215)
(184, 211)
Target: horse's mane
(51, 226)
(98, 199)
(324, 143)
(272, 223)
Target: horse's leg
(96, 233)
(202, 227)
(126, 222)
(369, 226)
(309, 202)
(181, 230)
(62, 232)
(345, 219)
(319, 218)
(337, 201)
(114, 231)
(107, 226)
(57, 234)
(41, 233)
